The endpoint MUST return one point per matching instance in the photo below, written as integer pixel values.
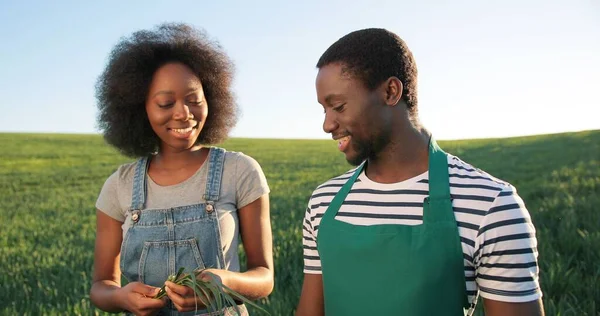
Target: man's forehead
(333, 74)
(334, 90)
(334, 69)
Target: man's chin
(355, 159)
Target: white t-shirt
(495, 228)
(243, 182)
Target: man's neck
(406, 156)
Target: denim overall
(160, 241)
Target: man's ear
(393, 91)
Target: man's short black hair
(122, 88)
(373, 55)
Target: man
(412, 230)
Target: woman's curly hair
(121, 90)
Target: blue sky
(486, 69)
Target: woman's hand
(184, 298)
(257, 281)
(138, 298)
(106, 292)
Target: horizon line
(323, 139)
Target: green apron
(395, 269)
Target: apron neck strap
(438, 172)
(438, 179)
(339, 198)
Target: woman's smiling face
(176, 106)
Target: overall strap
(216, 162)
(138, 193)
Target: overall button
(136, 216)
(209, 208)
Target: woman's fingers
(183, 297)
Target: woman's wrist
(116, 296)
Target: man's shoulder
(328, 188)
(467, 176)
(337, 181)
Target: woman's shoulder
(245, 176)
(115, 195)
(126, 171)
(240, 160)
(123, 174)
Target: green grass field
(49, 184)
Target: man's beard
(366, 149)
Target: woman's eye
(166, 105)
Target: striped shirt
(497, 236)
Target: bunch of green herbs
(215, 295)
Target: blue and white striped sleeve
(506, 251)
(312, 261)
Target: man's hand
(497, 308)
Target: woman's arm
(106, 292)
(106, 278)
(255, 229)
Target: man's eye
(339, 108)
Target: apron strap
(339, 198)
(438, 172)
(439, 199)
(439, 185)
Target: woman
(164, 98)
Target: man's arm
(497, 308)
(506, 255)
(311, 299)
